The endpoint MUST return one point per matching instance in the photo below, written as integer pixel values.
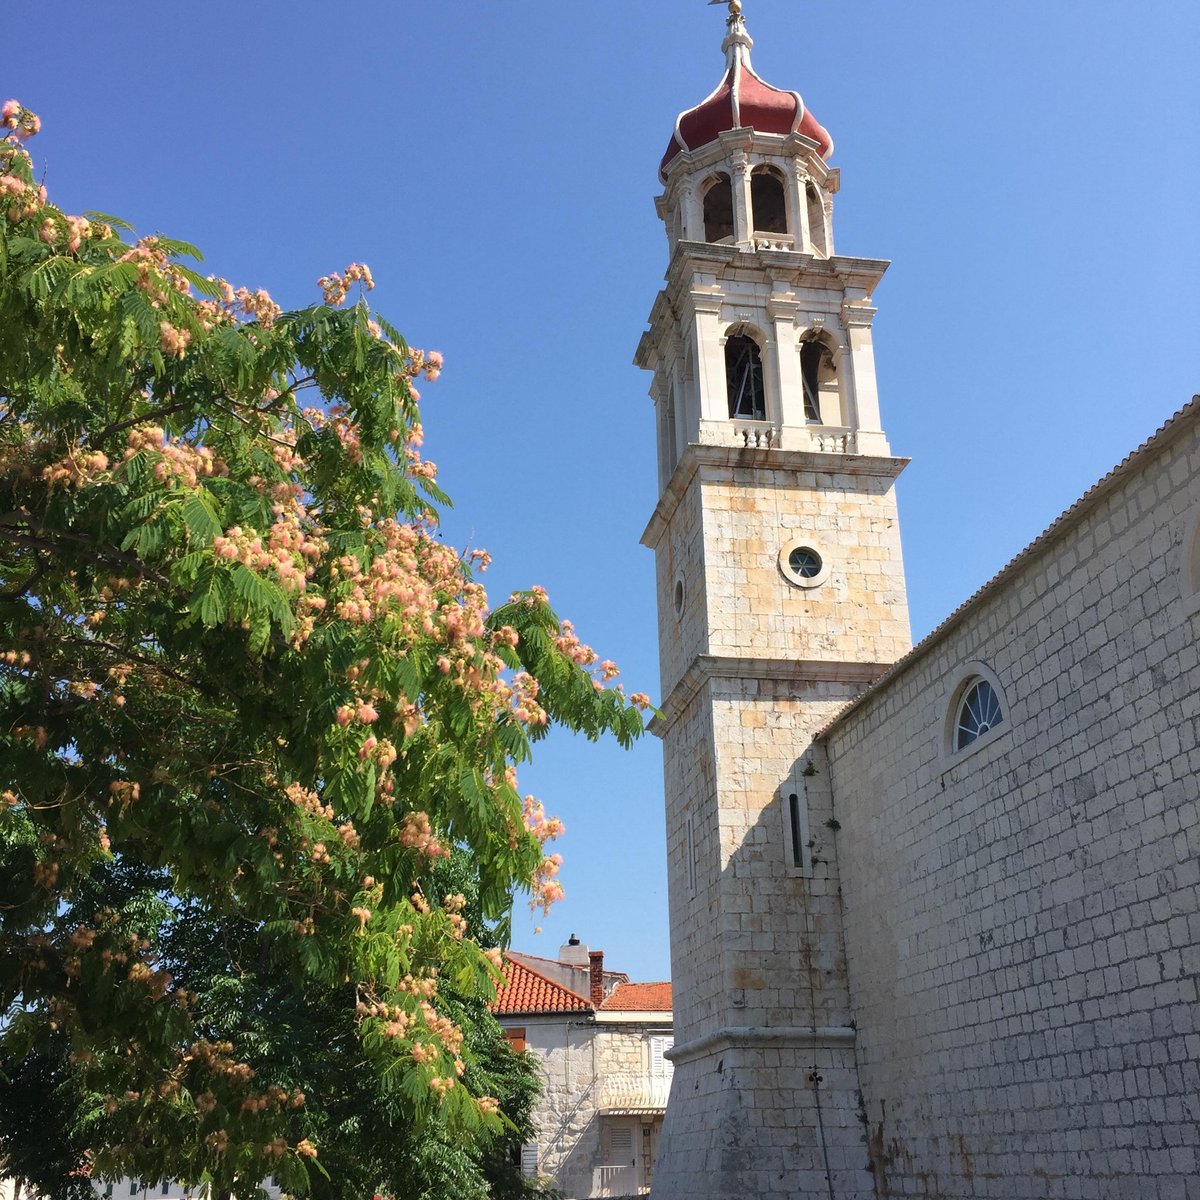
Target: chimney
(573, 953)
(596, 976)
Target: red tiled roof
(527, 992)
(639, 997)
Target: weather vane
(735, 6)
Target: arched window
(1189, 568)
(818, 372)
(979, 712)
(671, 432)
(718, 210)
(744, 378)
(767, 202)
(816, 221)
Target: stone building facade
(932, 910)
(601, 1045)
(1022, 914)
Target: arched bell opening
(744, 379)
(671, 432)
(718, 209)
(819, 375)
(816, 220)
(768, 201)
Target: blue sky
(1031, 169)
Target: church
(935, 910)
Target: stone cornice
(688, 164)
(796, 270)
(696, 456)
(858, 313)
(783, 670)
(737, 1037)
(792, 266)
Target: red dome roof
(743, 100)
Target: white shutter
(620, 1143)
(660, 1065)
(529, 1160)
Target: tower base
(765, 1114)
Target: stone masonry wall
(565, 1117)
(581, 1063)
(765, 1097)
(1023, 917)
(679, 558)
(859, 614)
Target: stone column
(798, 199)
(742, 217)
(710, 356)
(691, 220)
(862, 392)
(789, 389)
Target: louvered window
(660, 1065)
(529, 1160)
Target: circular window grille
(805, 561)
(979, 713)
(802, 564)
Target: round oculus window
(802, 564)
(805, 561)
(679, 597)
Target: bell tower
(780, 596)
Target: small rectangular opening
(794, 813)
(795, 809)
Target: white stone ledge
(728, 458)
(770, 1036)
(788, 670)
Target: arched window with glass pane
(979, 712)
(1189, 567)
(744, 378)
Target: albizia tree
(248, 701)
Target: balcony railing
(617, 1180)
(765, 435)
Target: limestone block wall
(1023, 920)
(777, 926)
(679, 559)
(567, 1127)
(860, 613)
(693, 853)
(584, 1063)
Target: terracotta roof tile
(639, 997)
(527, 992)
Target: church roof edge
(1171, 428)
